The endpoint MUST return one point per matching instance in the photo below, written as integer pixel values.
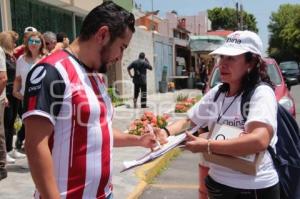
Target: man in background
(140, 67)
(50, 40)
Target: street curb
(149, 171)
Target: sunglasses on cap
(34, 41)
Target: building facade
(55, 15)
(198, 24)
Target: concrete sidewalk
(129, 184)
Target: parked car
(290, 69)
(281, 91)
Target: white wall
(198, 24)
(167, 26)
(142, 41)
(78, 6)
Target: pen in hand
(152, 132)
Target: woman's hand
(6, 102)
(18, 95)
(195, 144)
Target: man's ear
(102, 36)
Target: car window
(272, 72)
(215, 78)
(288, 66)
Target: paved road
(180, 180)
(295, 92)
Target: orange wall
(145, 21)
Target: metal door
(163, 56)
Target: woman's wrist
(166, 131)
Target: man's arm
(125, 139)
(38, 131)
(17, 87)
(148, 64)
(129, 70)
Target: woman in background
(34, 51)
(8, 42)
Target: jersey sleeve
(44, 92)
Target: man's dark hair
(60, 36)
(107, 14)
(142, 55)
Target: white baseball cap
(240, 42)
(30, 29)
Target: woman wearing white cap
(241, 67)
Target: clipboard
(173, 141)
(247, 164)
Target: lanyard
(221, 114)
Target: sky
(261, 9)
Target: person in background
(62, 41)
(34, 51)
(242, 68)
(68, 113)
(50, 40)
(8, 41)
(203, 76)
(139, 78)
(3, 80)
(18, 51)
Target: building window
(78, 23)
(42, 16)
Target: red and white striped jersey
(75, 100)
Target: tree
(284, 42)
(226, 18)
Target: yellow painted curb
(148, 172)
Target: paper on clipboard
(173, 141)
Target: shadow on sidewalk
(18, 168)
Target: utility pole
(237, 15)
(152, 22)
(241, 18)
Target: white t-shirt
(22, 69)
(2, 69)
(263, 109)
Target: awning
(205, 43)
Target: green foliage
(181, 97)
(226, 18)
(284, 43)
(117, 101)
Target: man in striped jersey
(68, 114)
